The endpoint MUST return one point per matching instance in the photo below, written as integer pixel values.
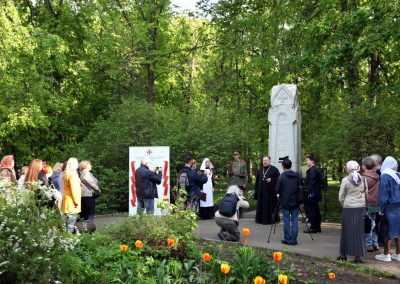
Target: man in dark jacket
(311, 205)
(288, 187)
(194, 183)
(146, 186)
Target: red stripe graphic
(165, 184)
(133, 186)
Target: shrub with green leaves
(32, 244)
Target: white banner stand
(159, 157)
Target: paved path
(324, 245)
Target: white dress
(208, 189)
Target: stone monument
(284, 126)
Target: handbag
(95, 193)
(367, 220)
(203, 196)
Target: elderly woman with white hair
(389, 207)
(229, 224)
(352, 196)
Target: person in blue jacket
(389, 207)
(194, 183)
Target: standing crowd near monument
(69, 186)
(369, 195)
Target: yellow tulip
(225, 268)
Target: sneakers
(383, 257)
(395, 256)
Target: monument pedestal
(284, 126)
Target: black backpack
(228, 205)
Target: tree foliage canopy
(90, 78)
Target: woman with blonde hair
(56, 176)
(89, 188)
(71, 200)
(7, 172)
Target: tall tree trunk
(374, 76)
(150, 82)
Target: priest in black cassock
(265, 194)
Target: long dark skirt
(206, 212)
(352, 241)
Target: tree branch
(123, 13)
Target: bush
(203, 133)
(31, 239)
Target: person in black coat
(146, 186)
(288, 187)
(265, 193)
(311, 204)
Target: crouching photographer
(227, 215)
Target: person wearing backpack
(227, 215)
(192, 182)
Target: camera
(283, 158)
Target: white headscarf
(353, 167)
(389, 167)
(203, 164)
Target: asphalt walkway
(325, 244)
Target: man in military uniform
(237, 172)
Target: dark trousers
(230, 228)
(314, 215)
(87, 208)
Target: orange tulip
(259, 280)
(225, 268)
(171, 242)
(331, 275)
(277, 255)
(138, 244)
(283, 279)
(206, 257)
(246, 232)
(123, 248)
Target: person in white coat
(206, 195)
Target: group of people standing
(73, 185)
(373, 191)
(199, 186)
(274, 191)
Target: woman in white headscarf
(352, 196)
(206, 195)
(389, 207)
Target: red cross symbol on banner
(149, 152)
